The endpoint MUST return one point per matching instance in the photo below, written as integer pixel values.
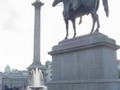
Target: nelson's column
(36, 68)
(36, 59)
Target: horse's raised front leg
(80, 21)
(66, 23)
(74, 27)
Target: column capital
(37, 4)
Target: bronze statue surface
(78, 8)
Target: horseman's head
(55, 2)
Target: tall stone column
(36, 80)
(37, 28)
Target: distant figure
(78, 8)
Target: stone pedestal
(87, 62)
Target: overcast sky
(17, 26)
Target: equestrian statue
(78, 8)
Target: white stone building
(14, 78)
(48, 72)
(0, 80)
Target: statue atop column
(78, 8)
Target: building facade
(0, 80)
(14, 79)
(18, 80)
(48, 72)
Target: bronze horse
(78, 8)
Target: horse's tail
(106, 7)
